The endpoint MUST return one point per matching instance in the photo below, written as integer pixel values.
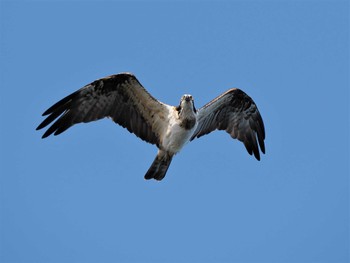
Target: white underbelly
(176, 137)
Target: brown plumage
(236, 113)
(122, 98)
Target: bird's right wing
(120, 97)
(236, 113)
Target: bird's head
(187, 103)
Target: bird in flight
(123, 99)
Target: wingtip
(44, 136)
(257, 155)
(149, 178)
(262, 146)
(47, 112)
(40, 126)
(47, 133)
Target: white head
(187, 103)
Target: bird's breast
(177, 136)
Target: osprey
(122, 98)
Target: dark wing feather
(120, 97)
(236, 113)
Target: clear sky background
(81, 196)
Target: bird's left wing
(120, 97)
(236, 113)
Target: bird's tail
(159, 166)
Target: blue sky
(81, 196)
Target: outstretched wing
(120, 97)
(236, 113)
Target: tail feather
(159, 166)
